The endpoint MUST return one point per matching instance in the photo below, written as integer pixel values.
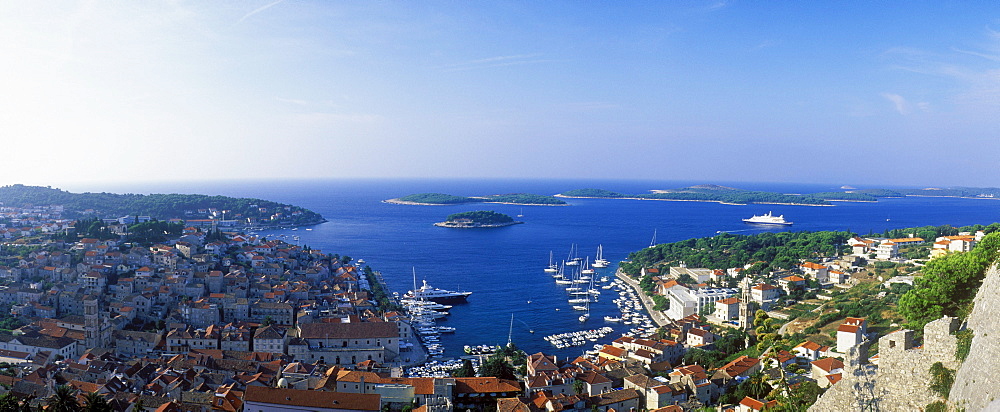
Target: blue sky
(865, 93)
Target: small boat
(612, 319)
(584, 317)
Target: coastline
(691, 200)
(396, 201)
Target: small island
(478, 219)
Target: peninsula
(192, 208)
(438, 199)
(478, 219)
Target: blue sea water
(503, 267)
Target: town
(136, 314)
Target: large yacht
(426, 292)
(768, 219)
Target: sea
(502, 267)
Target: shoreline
(396, 201)
(691, 200)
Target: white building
(850, 333)
(685, 302)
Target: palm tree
(93, 402)
(63, 400)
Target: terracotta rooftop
(313, 399)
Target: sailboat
(521, 214)
(561, 277)
(653, 242)
(600, 261)
(586, 269)
(585, 316)
(572, 260)
(552, 268)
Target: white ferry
(768, 219)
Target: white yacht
(426, 292)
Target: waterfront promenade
(659, 318)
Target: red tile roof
(828, 364)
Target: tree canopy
(483, 217)
(949, 284)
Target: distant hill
(159, 206)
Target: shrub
(936, 406)
(964, 344)
(941, 379)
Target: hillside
(159, 206)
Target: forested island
(478, 219)
(244, 211)
(509, 198)
(704, 193)
(730, 195)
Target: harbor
(604, 305)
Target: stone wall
(900, 382)
(977, 383)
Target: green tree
(496, 366)
(949, 283)
(579, 387)
(62, 400)
(9, 403)
(467, 370)
(94, 402)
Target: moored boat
(426, 292)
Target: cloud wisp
(258, 10)
(497, 61)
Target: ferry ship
(426, 292)
(768, 219)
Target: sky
(858, 93)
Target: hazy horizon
(709, 91)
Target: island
(437, 199)
(705, 193)
(478, 219)
(137, 208)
